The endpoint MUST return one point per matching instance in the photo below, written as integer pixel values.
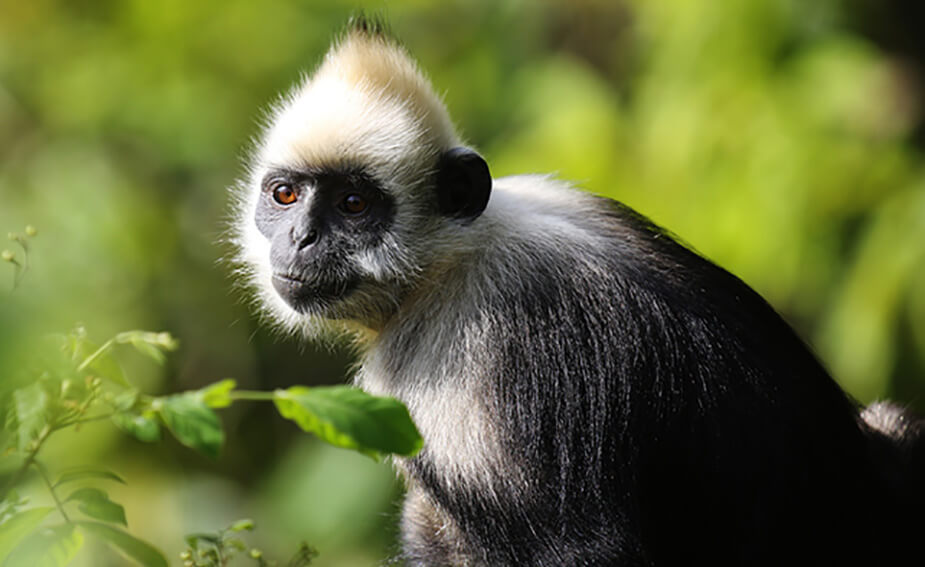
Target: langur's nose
(303, 239)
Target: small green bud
(12, 236)
(186, 555)
(30, 230)
(167, 341)
(256, 554)
(242, 525)
(8, 256)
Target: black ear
(463, 183)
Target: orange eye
(354, 204)
(284, 194)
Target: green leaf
(11, 505)
(193, 540)
(84, 473)
(148, 343)
(242, 525)
(48, 547)
(71, 343)
(103, 364)
(126, 400)
(149, 350)
(96, 504)
(193, 423)
(304, 556)
(218, 395)
(350, 418)
(9, 441)
(142, 427)
(17, 527)
(131, 547)
(31, 407)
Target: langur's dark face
(317, 223)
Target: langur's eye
(284, 194)
(353, 204)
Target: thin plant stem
(51, 489)
(83, 420)
(252, 395)
(96, 354)
(30, 459)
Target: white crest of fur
(367, 105)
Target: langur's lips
(302, 294)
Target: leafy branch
(84, 383)
(219, 548)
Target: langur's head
(358, 175)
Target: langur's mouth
(289, 279)
(302, 295)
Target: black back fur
(667, 416)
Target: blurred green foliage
(768, 134)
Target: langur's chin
(311, 298)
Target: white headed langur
(590, 391)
